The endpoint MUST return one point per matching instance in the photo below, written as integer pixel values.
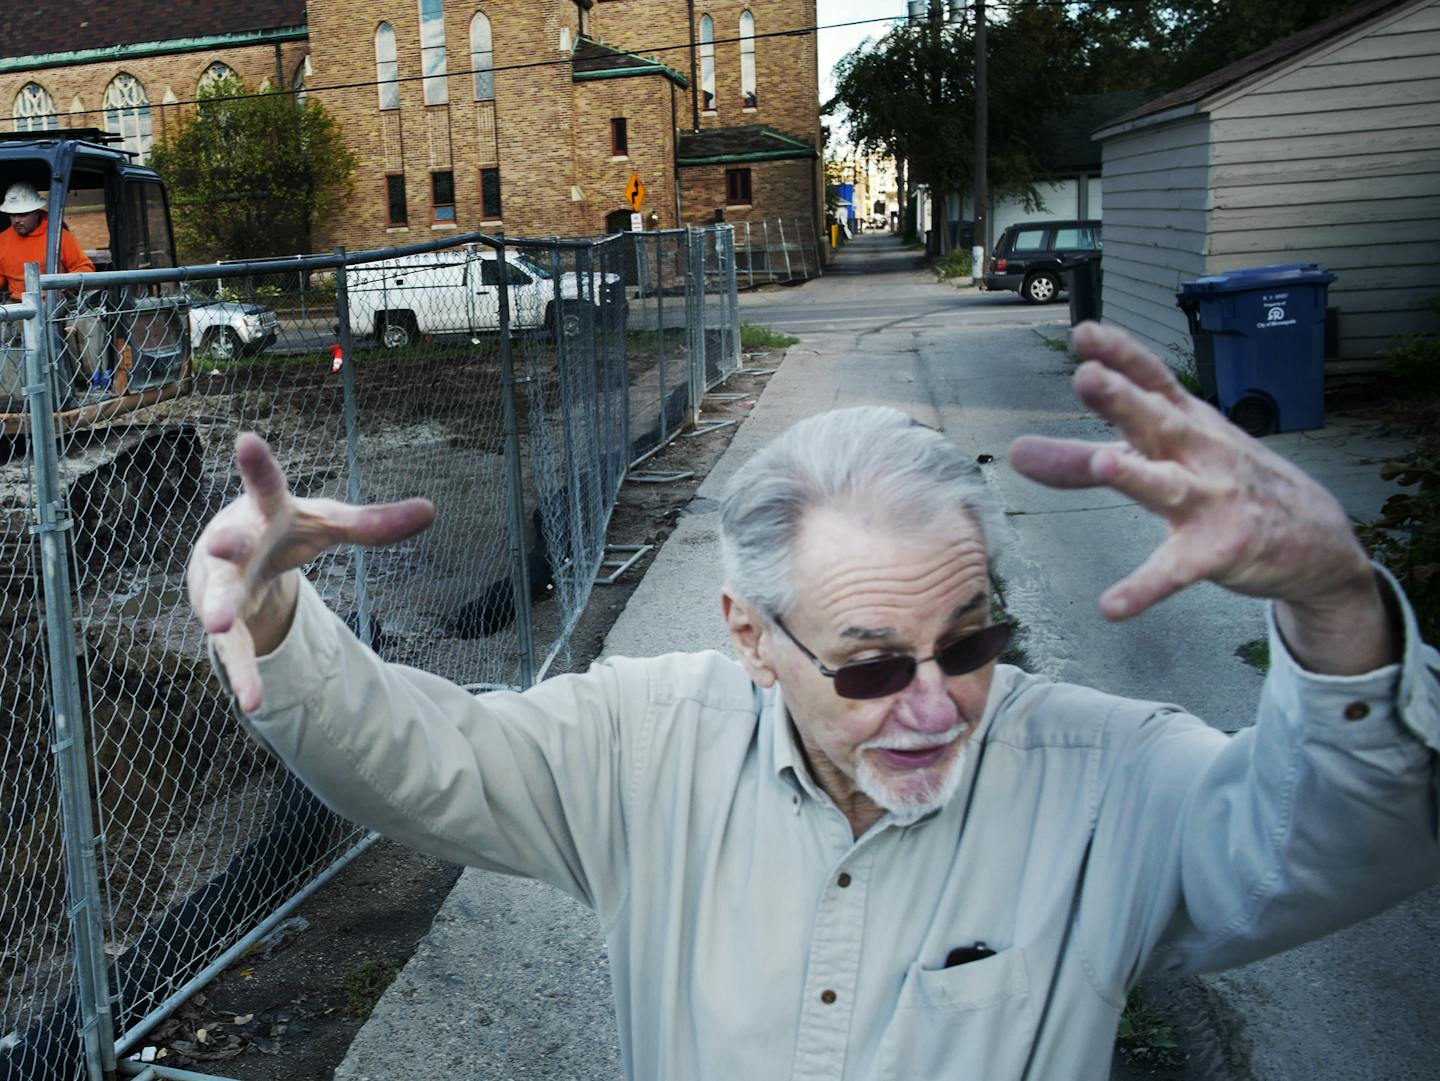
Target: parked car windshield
(534, 268)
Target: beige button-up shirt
(751, 936)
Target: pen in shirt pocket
(963, 955)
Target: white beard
(912, 804)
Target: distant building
(529, 118)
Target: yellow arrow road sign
(635, 192)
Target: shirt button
(827, 997)
(1357, 711)
(843, 880)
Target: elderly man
(24, 241)
(867, 850)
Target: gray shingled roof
(752, 142)
(1242, 69)
(595, 60)
(39, 27)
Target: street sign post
(635, 193)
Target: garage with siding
(1323, 148)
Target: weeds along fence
(777, 251)
(145, 842)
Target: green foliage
(911, 93)
(251, 174)
(753, 336)
(911, 96)
(1255, 653)
(362, 986)
(1412, 364)
(1145, 1036)
(1185, 368)
(1406, 536)
(954, 265)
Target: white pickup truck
(457, 291)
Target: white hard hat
(21, 198)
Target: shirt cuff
(1403, 693)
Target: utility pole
(981, 241)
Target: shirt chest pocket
(975, 1020)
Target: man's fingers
(261, 473)
(1161, 487)
(1059, 463)
(1115, 349)
(1164, 574)
(1149, 421)
(235, 650)
(385, 523)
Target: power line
(799, 31)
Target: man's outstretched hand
(1238, 514)
(242, 577)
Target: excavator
(115, 350)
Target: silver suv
(226, 329)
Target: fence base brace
(150, 1071)
(634, 552)
(659, 478)
(714, 426)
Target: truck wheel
(398, 330)
(223, 343)
(571, 319)
(1040, 288)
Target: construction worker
(24, 241)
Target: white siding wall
(1156, 197)
(1337, 161)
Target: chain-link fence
(147, 842)
(776, 251)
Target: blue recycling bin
(1260, 344)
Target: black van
(1029, 254)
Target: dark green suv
(1029, 257)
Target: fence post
(695, 318)
(733, 288)
(579, 539)
(97, 1026)
(660, 330)
(352, 443)
(800, 239)
(750, 255)
(616, 324)
(784, 247)
(519, 569)
(815, 247)
(769, 270)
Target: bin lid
(1261, 277)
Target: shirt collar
(788, 760)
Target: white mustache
(915, 741)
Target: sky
(836, 43)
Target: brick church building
(527, 116)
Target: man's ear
(746, 628)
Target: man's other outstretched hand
(242, 574)
(1238, 514)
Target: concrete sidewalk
(512, 980)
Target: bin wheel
(1254, 415)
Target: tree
(250, 175)
(911, 96)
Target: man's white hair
(876, 464)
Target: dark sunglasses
(881, 676)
